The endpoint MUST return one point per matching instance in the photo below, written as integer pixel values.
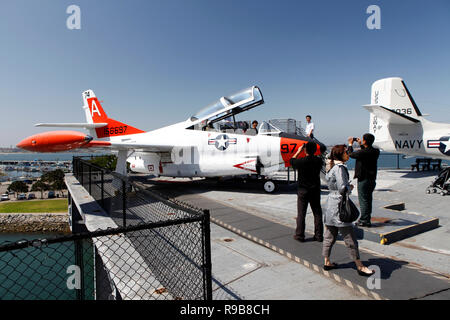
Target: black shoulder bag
(348, 211)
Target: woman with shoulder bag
(339, 187)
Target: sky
(157, 62)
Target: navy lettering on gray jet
(408, 144)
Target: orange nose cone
(54, 141)
(26, 144)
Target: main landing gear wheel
(269, 186)
(431, 190)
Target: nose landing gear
(269, 186)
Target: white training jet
(208, 144)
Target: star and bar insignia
(443, 144)
(222, 142)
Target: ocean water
(41, 273)
(392, 161)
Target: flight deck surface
(417, 267)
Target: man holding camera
(366, 173)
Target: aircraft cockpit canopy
(227, 107)
(268, 128)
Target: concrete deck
(245, 270)
(398, 279)
(402, 263)
(430, 249)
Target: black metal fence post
(80, 263)
(124, 203)
(103, 189)
(207, 272)
(78, 170)
(82, 173)
(90, 180)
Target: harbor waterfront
(22, 166)
(386, 161)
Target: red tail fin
(96, 114)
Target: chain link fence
(125, 202)
(160, 250)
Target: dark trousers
(365, 191)
(311, 196)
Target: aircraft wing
(129, 146)
(142, 147)
(72, 125)
(389, 115)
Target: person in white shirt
(309, 127)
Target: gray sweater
(338, 184)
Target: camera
(355, 139)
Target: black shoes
(319, 239)
(364, 274)
(330, 267)
(364, 224)
(335, 266)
